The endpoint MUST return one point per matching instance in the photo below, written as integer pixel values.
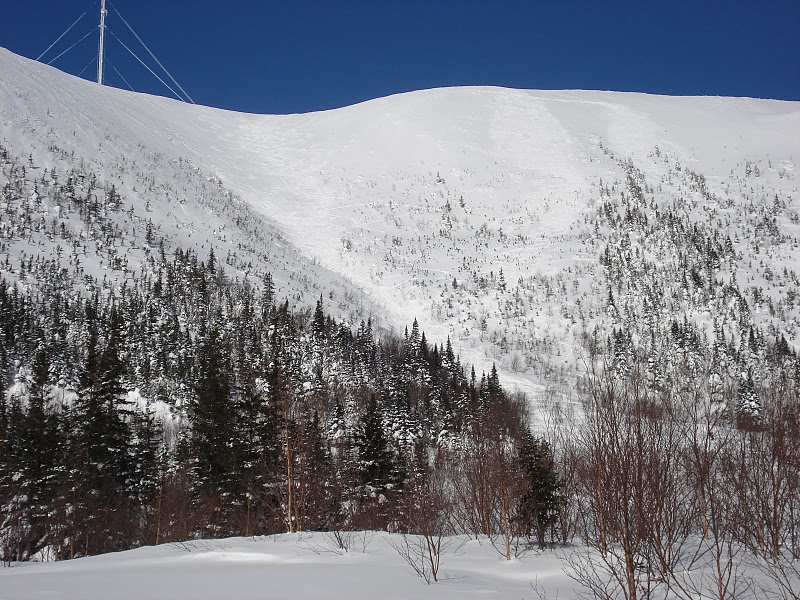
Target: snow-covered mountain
(511, 221)
(637, 253)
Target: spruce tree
(101, 466)
(541, 487)
(257, 436)
(377, 464)
(6, 452)
(147, 460)
(318, 482)
(213, 456)
(38, 451)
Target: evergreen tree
(146, 456)
(101, 466)
(317, 481)
(6, 457)
(318, 329)
(540, 499)
(376, 459)
(257, 436)
(748, 404)
(267, 298)
(38, 451)
(214, 456)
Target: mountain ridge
(389, 193)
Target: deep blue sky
(301, 55)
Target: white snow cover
(285, 567)
(364, 192)
(402, 195)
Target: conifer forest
(174, 369)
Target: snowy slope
(309, 566)
(402, 196)
(285, 567)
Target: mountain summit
(483, 212)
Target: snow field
(286, 567)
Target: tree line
(184, 405)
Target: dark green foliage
(100, 431)
(541, 488)
(377, 465)
(320, 494)
(268, 419)
(38, 451)
(100, 465)
(146, 455)
(215, 459)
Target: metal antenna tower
(101, 52)
(103, 13)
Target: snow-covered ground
(410, 206)
(290, 567)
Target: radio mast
(101, 53)
(103, 13)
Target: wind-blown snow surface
(285, 567)
(415, 203)
(405, 196)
